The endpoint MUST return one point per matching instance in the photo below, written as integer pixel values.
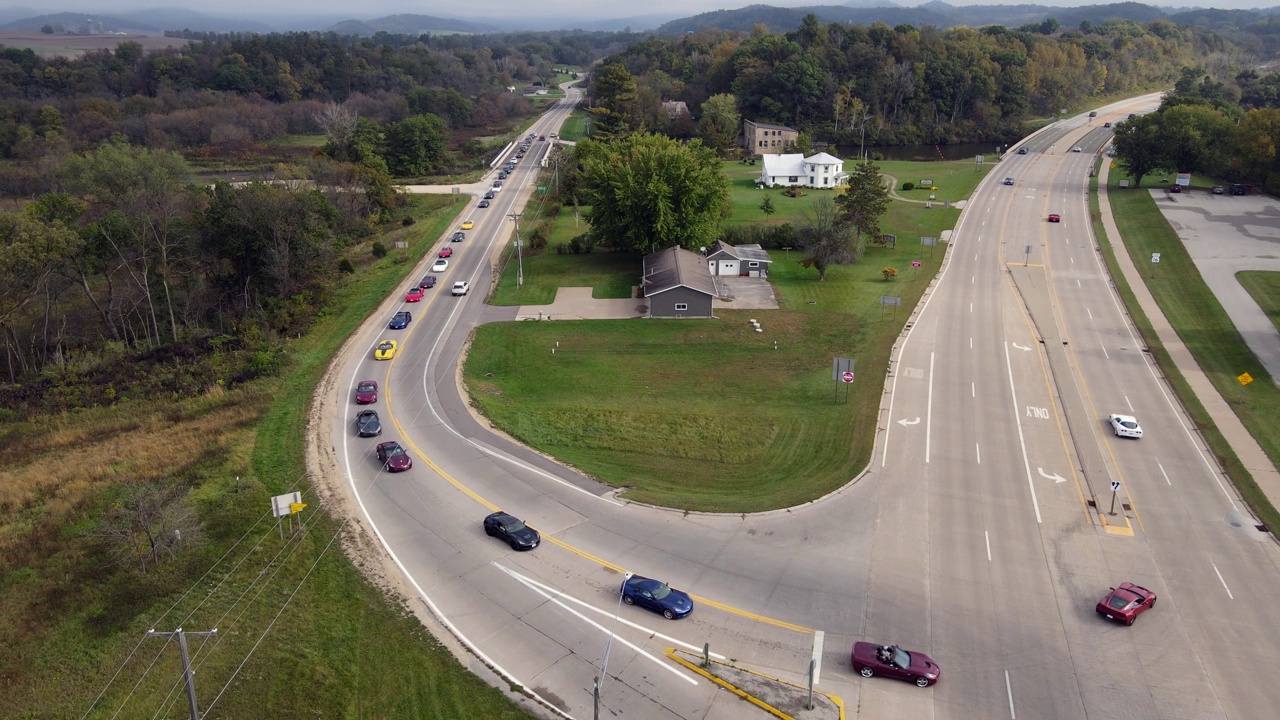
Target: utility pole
(187, 672)
(519, 254)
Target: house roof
(752, 251)
(788, 164)
(675, 267)
(767, 126)
(823, 159)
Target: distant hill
(936, 13)
(411, 25)
(77, 22)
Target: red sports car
(447, 252)
(366, 392)
(393, 457)
(414, 295)
(892, 661)
(1125, 603)
(1055, 218)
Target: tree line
(900, 85)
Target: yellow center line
(577, 551)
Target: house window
(753, 264)
(682, 306)
(811, 182)
(792, 178)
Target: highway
(971, 536)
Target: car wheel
(627, 599)
(1129, 620)
(866, 672)
(668, 615)
(513, 545)
(1153, 602)
(922, 681)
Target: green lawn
(1206, 330)
(753, 426)
(575, 126)
(1264, 287)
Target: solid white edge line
(987, 535)
(977, 447)
(1022, 441)
(928, 416)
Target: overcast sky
(513, 8)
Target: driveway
(576, 303)
(1225, 234)
(743, 293)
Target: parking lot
(1226, 234)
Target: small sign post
(929, 242)
(1027, 259)
(1115, 490)
(842, 373)
(1155, 260)
(915, 265)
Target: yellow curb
(673, 654)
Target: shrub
(345, 267)
(889, 273)
(908, 186)
(407, 221)
(379, 250)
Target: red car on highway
(366, 392)
(892, 661)
(1125, 603)
(393, 457)
(447, 252)
(1055, 218)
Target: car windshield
(901, 658)
(395, 450)
(513, 526)
(1118, 602)
(385, 346)
(366, 387)
(660, 591)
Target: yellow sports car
(467, 225)
(385, 350)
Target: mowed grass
(574, 127)
(1206, 330)
(331, 643)
(708, 415)
(1264, 288)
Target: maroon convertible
(892, 661)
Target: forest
(906, 85)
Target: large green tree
(720, 122)
(866, 200)
(1257, 140)
(1140, 146)
(615, 105)
(414, 146)
(649, 192)
(1195, 138)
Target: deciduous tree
(825, 240)
(649, 192)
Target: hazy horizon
(497, 9)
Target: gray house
(677, 284)
(738, 260)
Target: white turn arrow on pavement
(1055, 478)
(1016, 345)
(909, 422)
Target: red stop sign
(847, 377)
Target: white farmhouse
(816, 171)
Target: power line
(175, 604)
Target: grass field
(1207, 332)
(1264, 288)
(333, 646)
(574, 127)
(752, 426)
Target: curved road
(970, 536)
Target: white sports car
(1125, 426)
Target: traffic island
(777, 697)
